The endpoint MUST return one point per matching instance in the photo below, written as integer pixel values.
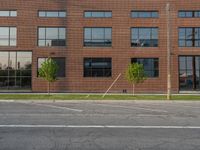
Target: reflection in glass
(14, 68)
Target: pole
(111, 85)
(168, 53)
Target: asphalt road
(100, 125)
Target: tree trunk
(133, 89)
(48, 88)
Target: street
(100, 125)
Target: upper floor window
(8, 36)
(59, 61)
(144, 37)
(97, 67)
(56, 14)
(189, 37)
(144, 14)
(98, 37)
(151, 65)
(51, 36)
(97, 14)
(189, 14)
(8, 13)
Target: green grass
(93, 97)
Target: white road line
(53, 106)
(100, 126)
(133, 107)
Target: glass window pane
(13, 33)
(4, 13)
(62, 33)
(4, 32)
(144, 15)
(52, 14)
(41, 33)
(97, 14)
(181, 14)
(13, 13)
(145, 33)
(155, 14)
(154, 33)
(42, 14)
(97, 33)
(3, 60)
(51, 33)
(108, 33)
(62, 14)
(88, 14)
(108, 14)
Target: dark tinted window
(59, 61)
(97, 67)
(100, 37)
(144, 37)
(151, 65)
(48, 36)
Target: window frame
(64, 58)
(100, 45)
(151, 39)
(97, 11)
(49, 11)
(10, 13)
(46, 27)
(153, 58)
(193, 37)
(103, 69)
(9, 36)
(145, 11)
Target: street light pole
(168, 52)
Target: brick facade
(121, 51)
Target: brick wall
(121, 52)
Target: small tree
(135, 74)
(48, 71)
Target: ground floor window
(15, 70)
(59, 61)
(189, 73)
(97, 67)
(151, 66)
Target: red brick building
(93, 41)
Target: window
(144, 37)
(97, 67)
(144, 14)
(98, 37)
(189, 14)
(98, 14)
(8, 36)
(56, 14)
(59, 61)
(8, 13)
(15, 70)
(151, 65)
(189, 37)
(48, 36)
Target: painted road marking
(133, 107)
(53, 106)
(100, 126)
